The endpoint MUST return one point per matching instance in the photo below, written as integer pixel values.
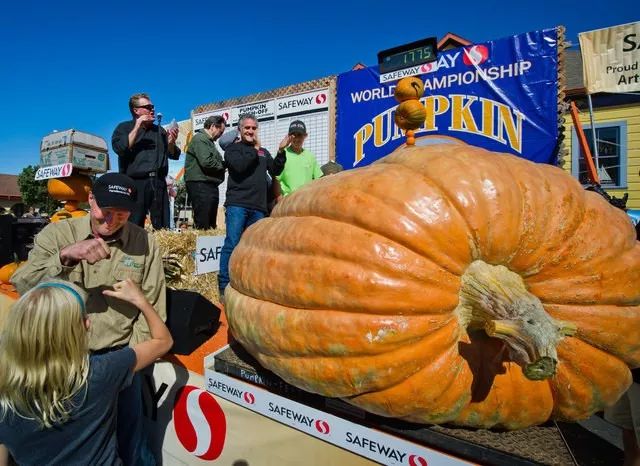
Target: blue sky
(70, 64)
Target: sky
(71, 64)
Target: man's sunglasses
(148, 106)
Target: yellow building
(617, 122)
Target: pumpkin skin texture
(409, 88)
(368, 285)
(410, 114)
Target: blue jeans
(133, 446)
(237, 219)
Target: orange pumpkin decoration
(71, 206)
(442, 284)
(73, 188)
(7, 271)
(64, 214)
(409, 88)
(410, 114)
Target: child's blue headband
(64, 287)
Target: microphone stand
(154, 181)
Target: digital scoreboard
(408, 55)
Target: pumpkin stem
(495, 299)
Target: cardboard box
(85, 151)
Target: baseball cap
(114, 190)
(298, 127)
(331, 168)
(228, 138)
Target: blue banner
(501, 95)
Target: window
(612, 154)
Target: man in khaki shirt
(95, 252)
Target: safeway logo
(323, 427)
(428, 67)
(321, 98)
(415, 460)
(199, 422)
(225, 115)
(54, 171)
(249, 398)
(475, 55)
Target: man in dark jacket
(143, 150)
(204, 171)
(251, 168)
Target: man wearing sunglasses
(144, 150)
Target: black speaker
(192, 319)
(24, 232)
(6, 239)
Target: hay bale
(179, 247)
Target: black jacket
(150, 153)
(248, 168)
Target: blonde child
(58, 401)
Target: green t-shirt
(298, 170)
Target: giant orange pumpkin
(444, 284)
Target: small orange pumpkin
(410, 114)
(409, 88)
(7, 271)
(444, 283)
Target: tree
(34, 193)
(182, 192)
(181, 198)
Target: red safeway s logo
(199, 422)
(66, 170)
(428, 67)
(249, 398)
(322, 427)
(225, 115)
(475, 55)
(321, 98)
(415, 460)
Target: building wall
(631, 115)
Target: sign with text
(500, 95)
(208, 249)
(274, 116)
(308, 102)
(365, 441)
(610, 58)
(261, 110)
(56, 171)
(188, 425)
